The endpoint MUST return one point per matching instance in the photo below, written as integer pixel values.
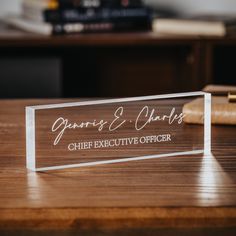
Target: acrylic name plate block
(115, 130)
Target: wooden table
(189, 195)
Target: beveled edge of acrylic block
(207, 124)
(30, 128)
(117, 100)
(30, 138)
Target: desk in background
(113, 65)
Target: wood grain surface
(184, 192)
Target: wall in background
(187, 7)
(190, 7)
(12, 6)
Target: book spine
(95, 15)
(39, 5)
(33, 9)
(79, 3)
(99, 3)
(73, 28)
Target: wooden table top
(183, 191)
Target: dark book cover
(99, 3)
(91, 15)
(73, 28)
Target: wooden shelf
(168, 64)
(15, 37)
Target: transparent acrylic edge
(207, 124)
(116, 100)
(119, 160)
(30, 131)
(30, 138)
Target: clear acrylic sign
(115, 130)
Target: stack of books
(53, 17)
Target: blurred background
(135, 62)
(187, 7)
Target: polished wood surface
(190, 192)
